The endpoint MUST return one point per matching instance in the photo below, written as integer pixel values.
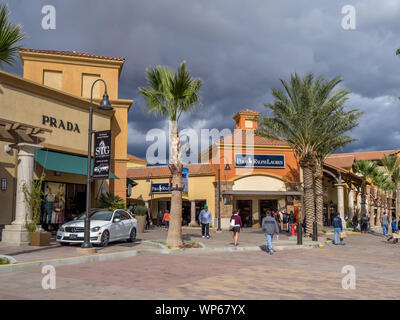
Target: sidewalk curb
(127, 254)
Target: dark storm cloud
(240, 50)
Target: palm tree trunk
(371, 208)
(309, 202)
(363, 199)
(174, 237)
(319, 195)
(379, 211)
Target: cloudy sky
(240, 49)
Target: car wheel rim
(133, 234)
(104, 239)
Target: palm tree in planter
(305, 115)
(392, 166)
(366, 170)
(172, 94)
(10, 34)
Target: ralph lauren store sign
(276, 161)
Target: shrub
(111, 201)
(140, 211)
(4, 261)
(349, 224)
(33, 195)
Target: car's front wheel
(132, 236)
(105, 239)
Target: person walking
(355, 222)
(205, 219)
(385, 223)
(270, 227)
(285, 220)
(394, 231)
(364, 223)
(160, 217)
(236, 223)
(338, 228)
(166, 218)
(292, 221)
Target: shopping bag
(233, 223)
(358, 228)
(395, 235)
(342, 235)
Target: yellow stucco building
(44, 118)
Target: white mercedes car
(105, 226)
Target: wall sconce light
(3, 184)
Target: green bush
(4, 261)
(349, 224)
(33, 195)
(324, 231)
(140, 211)
(111, 201)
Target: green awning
(131, 182)
(56, 161)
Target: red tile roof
(163, 171)
(71, 53)
(137, 159)
(346, 160)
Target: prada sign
(60, 124)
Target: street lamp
(104, 105)
(227, 167)
(151, 197)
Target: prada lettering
(60, 124)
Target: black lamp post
(104, 105)
(151, 197)
(227, 167)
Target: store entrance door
(245, 212)
(265, 205)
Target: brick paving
(249, 237)
(291, 274)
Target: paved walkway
(248, 238)
(291, 274)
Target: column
(358, 197)
(16, 233)
(351, 203)
(193, 221)
(340, 204)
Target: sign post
(102, 155)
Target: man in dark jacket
(270, 227)
(337, 225)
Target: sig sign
(102, 154)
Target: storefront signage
(260, 161)
(60, 124)
(160, 188)
(102, 154)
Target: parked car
(105, 226)
(101, 168)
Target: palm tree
(305, 114)
(392, 166)
(10, 34)
(341, 123)
(384, 184)
(366, 170)
(171, 94)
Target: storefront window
(61, 203)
